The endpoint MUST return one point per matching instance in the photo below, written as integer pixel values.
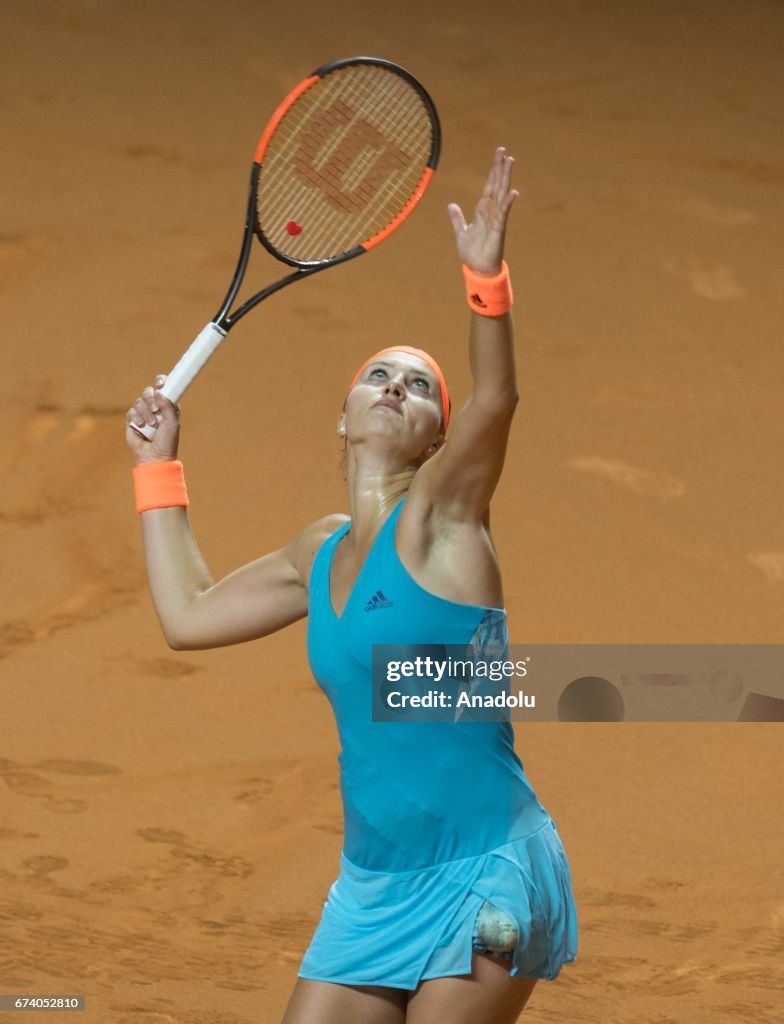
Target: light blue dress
(438, 816)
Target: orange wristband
(489, 296)
(159, 484)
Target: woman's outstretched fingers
(491, 184)
(457, 218)
(480, 244)
(505, 201)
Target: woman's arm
(197, 613)
(459, 480)
(194, 611)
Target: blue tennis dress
(438, 816)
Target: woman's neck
(371, 497)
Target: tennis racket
(344, 160)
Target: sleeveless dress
(438, 816)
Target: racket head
(344, 160)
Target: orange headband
(446, 401)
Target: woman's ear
(433, 448)
(342, 424)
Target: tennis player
(454, 892)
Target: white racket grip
(192, 360)
(197, 354)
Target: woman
(454, 894)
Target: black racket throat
(223, 318)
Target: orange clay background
(170, 821)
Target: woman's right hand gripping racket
(343, 161)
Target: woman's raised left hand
(480, 244)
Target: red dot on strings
(293, 228)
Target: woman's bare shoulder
(304, 546)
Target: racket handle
(192, 360)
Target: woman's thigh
(323, 1002)
(488, 995)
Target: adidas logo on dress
(378, 600)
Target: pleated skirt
(398, 929)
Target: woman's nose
(395, 384)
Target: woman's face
(396, 397)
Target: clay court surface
(170, 821)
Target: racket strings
(379, 209)
(343, 162)
(389, 110)
(375, 109)
(395, 194)
(338, 169)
